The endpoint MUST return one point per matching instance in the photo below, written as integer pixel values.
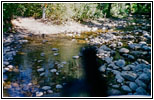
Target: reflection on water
(36, 56)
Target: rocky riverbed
(37, 65)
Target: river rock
(10, 66)
(139, 67)
(112, 92)
(102, 68)
(75, 57)
(38, 94)
(120, 63)
(42, 74)
(53, 70)
(141, 91)
(129, 75)
(105, 48)
(50, 91)
(5, 77)
(119, 78)
(126, 68)
(54, 49)
(40, 70)
(108, 59)
(124, 50)
(133, 86)
(140, 83)
(120, 44)
(126, 88)
(113, 45)
(135, 46)
(144, 77)
(46, 87)
(56, 54)
(58, 86)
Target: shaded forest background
(71, 11)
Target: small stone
(120, 44)
(40, 70)
(5, 77)
(38, 94)
(141, 91)
(42, 74)
(42, 54)
(105, 48)
(112, 92)
(120, 63)
(58, 86)
(102, 68)
(39, 61)
(75, 57)
(46, 87)
(133, 85)
(144, 77)
(50, 91)
(129, 75)
(57, 73)
(53, 70)
(126, 88)
(56, 54)
(10, 66)
(140, 83)
(54, 49)
(5, 62)
(108, 59)
(119, 78)
(115, 86)
(15, 84)
(124, 50)
(64, 62)
(6, 69)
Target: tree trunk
(109, 9)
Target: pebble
(129, 75)
(40, 70)
(53, 70)
(144, 77)
(50, 91)
(140, 83)
(126, 68)
(38, 94)
(112, 92)
(75, 57)
(102, 68)
(120, 63)
(141, 91)
(56, 54)
(42, 74)
(58, 86)
(54, 49)
(119, 78)
(10, 66)
(124, 50)
(133, 86)
(46, 87)
(5, 77)
(126, 88)
(108, 59)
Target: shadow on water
(40, 66)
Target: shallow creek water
(38, 53)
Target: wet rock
(119, 78)
(124, 50)
(135, 46)
(129, 75)
(102, 68)
(38, 94)
(46, 87)
(126, 68)
(144, 77)
(133, 86)
(139, 67)
(39, 61)
(105, 48)
(141, 91)
(57, 73)
(42, 54)
(53, 70)
(15, 85)
(56, 54)
(58, 86)
(42, 74)
(54, 49)
(5, 77)
(115, 86)
(131, 57)
(10, 66)
(120, 44)
(112, 92)
(75, 57)
(40, 70)
(108, 59)
(113, 45)
(146, 48)
(5, 63)
(6, 69)
(140, 83)
(120, 63)
(126, 88)
(50, 91)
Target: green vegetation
(69, 11)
